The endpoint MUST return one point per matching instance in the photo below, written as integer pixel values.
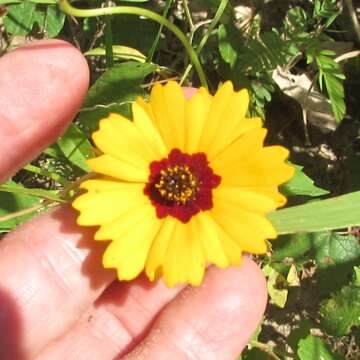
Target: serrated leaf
(301, 184)
(113, 92)
(314, 348)
(333, 249)
(335, 256)
(335, 213)
(54, 21)
(20, 18)
(342, 311)
(76, 147)
(335, 90)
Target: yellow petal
(184, 260)
(196, 112)
(204, 228)
(231, 248)
(131, 217)
(128, 253)
(168, 104)
(119, 169)
(249, 230)
(97, 208)
(245, 199)
(239, 151)
(244, 125)
(146, 127)
(262, 168)
(103, 184)
(118, 136)
(270, 191)
(232, 119)
(158, 250)
(219, 104)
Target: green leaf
(298, 333)
(113, 92)
(336, 93)
(342, 311)
(314, 348)
(48, 2)
(120, 52)
(275, 285)
(20, 18)
(12, 187)
(54, 151)
(335, 256)
(12, 202)
(335, 213)
(293, 246)
(301, 184)
(229, 38)
(332, 249)
(76, 147)
(357, 275)
(54, 21)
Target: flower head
(187, 183)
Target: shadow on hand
(10, 329)
(91, 266)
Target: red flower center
(181, 185)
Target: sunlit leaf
(314, 348)
(301, 184)
(335, 213)
(76, 147)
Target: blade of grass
(53, 176)
(335, 213)
(41, 193)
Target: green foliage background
(313, 268)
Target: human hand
(56, 301)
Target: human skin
(56, 300)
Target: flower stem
(203, 41)
(108, 42)
(265, 348)
(132, 10)
(156, 42)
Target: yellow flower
(187, 183)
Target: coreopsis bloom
(185, 184)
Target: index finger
(42, 86)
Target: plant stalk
(132, 10)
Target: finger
(214, 321)
(42, 86)
(50, 272)
(122, 316)
(189, 92)
(116, 322)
